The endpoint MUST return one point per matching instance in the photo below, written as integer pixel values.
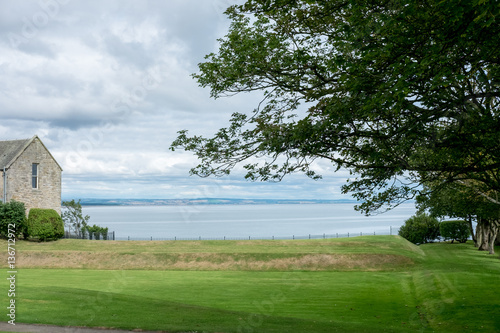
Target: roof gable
(10, 151)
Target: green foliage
(398, 92)
(420, 229)
(95, 232)
(455, 230)
(45, 224)
(73, 217)
(13, 213)
(456, 200)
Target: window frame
(35, 175)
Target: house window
(34, 175)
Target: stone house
(30, 174)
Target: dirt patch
(211, 261)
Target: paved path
(34, 328)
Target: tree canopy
(399, 92)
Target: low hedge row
(95, 232)
(423, 228)
(455, 230)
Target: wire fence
(390, 231)
(91, 235)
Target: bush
(95, 232)
(455, 230)
(420, 229)
(13, 215)
(45, 224)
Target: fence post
(293, 236)
(128, 237)
(151, 237)
(347, 234)
(390, 230)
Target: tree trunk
(495, 227)
(471, 229)
(486, 233)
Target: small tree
(13, 213)
(420, 229)
(73, 217)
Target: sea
(260, 221)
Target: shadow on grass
(78, 307)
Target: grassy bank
(361, 253)
(376, 284)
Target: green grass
(439, 288)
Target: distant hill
(203, 201)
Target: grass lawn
(362, 284)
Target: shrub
(420, 229)
(95, 232)
(455, 230)
(13, 213)
(45, 224)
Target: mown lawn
(438, 287)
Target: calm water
(217, 221)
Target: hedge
(420, 229)
(45, 224)
(95, 232)
(455, 230)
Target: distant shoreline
(206, 201)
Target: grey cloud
(132, 53)
(38, 47)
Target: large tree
(399, 92)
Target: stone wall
(19, 179)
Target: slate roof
(9, 150)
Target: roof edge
(26, 145)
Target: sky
(107, 85)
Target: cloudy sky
(107, 84)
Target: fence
(91, 235)
(391, 231)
